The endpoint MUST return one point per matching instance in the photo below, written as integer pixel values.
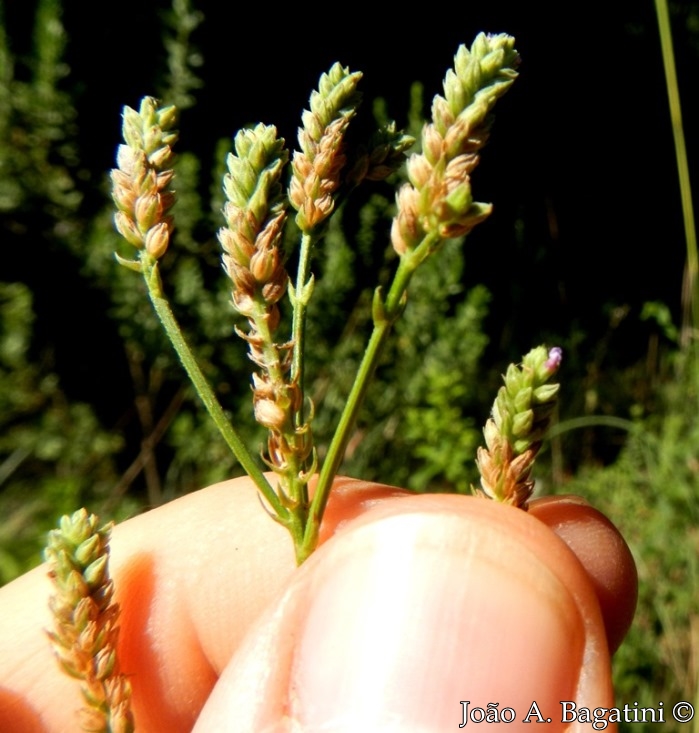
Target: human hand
(416, 604)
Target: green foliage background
(120, 431)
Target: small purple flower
(554, 360)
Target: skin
(411, 605)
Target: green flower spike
(521, 415)
(437, 204)
(383, 155)
(85, 617)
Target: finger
(590, 535)
(421, 603)
(191, 577)
(603, 553)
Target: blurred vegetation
(94, 409)
(651, 491)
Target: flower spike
(317, 166)
(521, 415)
(85, 631)
(141, 182)
(438, 199)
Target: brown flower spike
(317, 166)
(255, 213)
(141, 182)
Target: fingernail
(413, 616)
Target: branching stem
(301, 297)
(385, 314)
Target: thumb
(422, 603)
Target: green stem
(673, 94)
(229, 433)
(385, 315)
(302, 296)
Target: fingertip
(351, 498)
(416, 611)
(604, 554)
(420, 603)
